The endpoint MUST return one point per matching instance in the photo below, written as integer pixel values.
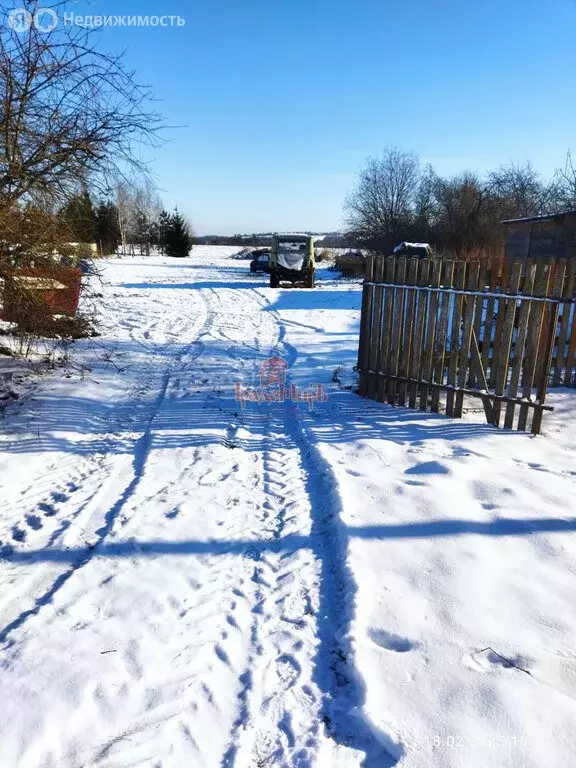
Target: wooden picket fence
(434, 331)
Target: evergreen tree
(107, 228)
(154, 234)
(178, 236)
(143, 232)
(162, 230)
(80, 219)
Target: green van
(292, 260)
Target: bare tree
(138, 206)
(381, 207)
(394, 200)
(125, 207)
(564, 185)
(67, 110)
(520, 191)
(424, 208)
(148, 206)
(464, 218)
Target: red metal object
(59, 287)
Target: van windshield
(292, 255)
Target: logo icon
(45, 20)
(273, 371)
(20, 20)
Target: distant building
(539, 237)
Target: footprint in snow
(222, 655)
(6, 550)
(428, 468)
(48, 509)
(18, 534)
(58, 497)
(390, 642)
(34, 522)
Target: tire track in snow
(244, 612)
(276, 705)
(277, 721)
(341, 689)
(141, 450)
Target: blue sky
(279, 103)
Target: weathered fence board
(508, 314)
(468, 309)
(374, 351)
(459, 283)
(520, 345)
(428, 351)
(422, 304)
(408, 346)
(442, 335)
(433, 332)
(566, 324)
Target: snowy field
(187, 583)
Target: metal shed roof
(547, 217)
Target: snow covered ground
(185, 582)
